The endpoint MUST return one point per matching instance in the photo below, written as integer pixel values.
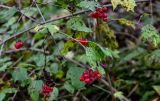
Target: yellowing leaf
(128, 4)
(115, 3)
(126, 22)
(118, 95)
(157, 89)
(150, 34)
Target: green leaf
(2, 96)
(101, 70)
(20, 74)
(54, 94)
(39, 59)
(127, 4)
(30, 11)
(74, 74)
(147, 95)
(77, 24)
(157, 89)
(34, 89)
(149, 33)
(69, 87)
(8, 14)
(52, 29)
(67, 46)
(41, 33)
(118, 95)
(4, 63)
(54, 68)
(4, 91)
(133, 54)
(10, 22)
(91, 5)
(36, 85)
(91, 57)
(34, 95)
(9, 90)
(126, 22)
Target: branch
(40, 12)
(58, 18)
(23, 49)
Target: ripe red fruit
(87, 81)
(100, 13)
(98, 76)
(104, 15)
(105, 19)
(82, 78)
(83, 41)
(41, 91)
(104, 9)
(46, 90)
(19, 44)
(93, 15)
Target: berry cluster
(100, 13)
(89, 76)
(83, 41)
(46, 90)
(19, 44)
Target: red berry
(98, 76)
(48, 91)
(83, 41)
(81, 78)
(41, 91)
(99, 10)
(87, 81)
(18, 45)
(105, 19)
(96, 72)
(94, 15)
(92, 74)
(46, 95)
(85, 72)
(105, 15)
(86, 76)
(45, 86)
(104, 9)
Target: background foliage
(125, 50)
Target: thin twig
(15, 94)
(24, 49)
(151, 7)
(40, 12)
(75, 97)
(18, 10)
(84, 97)
(96, 86)
(65, 96)
(133, 90)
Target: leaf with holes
(150, 34)
(127, 4)
(91, 5)
(126, 22)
